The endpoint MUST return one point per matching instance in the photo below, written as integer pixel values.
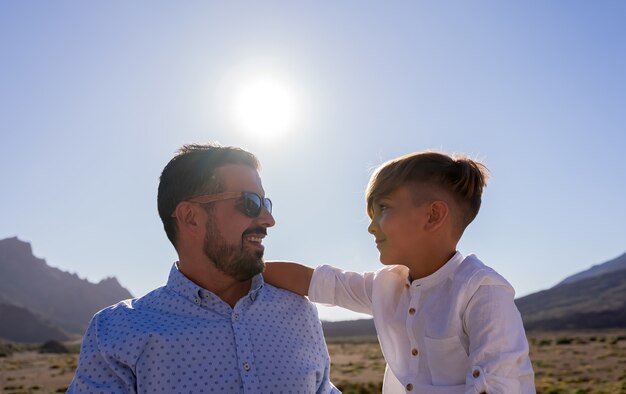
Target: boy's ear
(437, 214)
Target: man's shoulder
(127, 309)
(282, 294)
(277, 295)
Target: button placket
(478, 374)
(244, 346)
(411, 321)
(414, 300)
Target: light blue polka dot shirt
(181, 338)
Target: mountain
(594, 298)
(62, 299)
(591, 299)
(39, 302)
(21, 325)
(350, 328)
(616, 264)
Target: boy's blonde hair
(459, 176)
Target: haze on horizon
(95, 98)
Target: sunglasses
(251, 203)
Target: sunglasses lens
(267, 203)
(252, 204)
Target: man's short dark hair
(192, 173)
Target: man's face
(233, 241)
(397, 226)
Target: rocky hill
(39, 302)
(591, 299)
(21, 325)
(614, 265)
(349, 328)
(597, 301)
(60, 298)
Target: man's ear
(437, 214)
(188, 219)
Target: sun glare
(265, 106)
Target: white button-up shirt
(455, 331)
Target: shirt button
(476, 373)
(409, 387)
(236, 316)
(246, 366)
(197, 300)
(411, 311)
(414, 352)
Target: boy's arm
(289, 276)
(498, 348)
(324, 284)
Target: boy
(446, 323)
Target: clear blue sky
(95, 97)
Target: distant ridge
(617, 264)
(61, 298)
(594, 302)
(21, 325)
(592, 299)
(39, 302)
(350, 328)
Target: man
(215, 327)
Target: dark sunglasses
(251, 205)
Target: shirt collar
(442, 273)
(180, 284)
(255, 287)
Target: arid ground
(564, 362)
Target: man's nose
(265, 218)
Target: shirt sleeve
(350, 290)
(498, 348)
(324, 385)
(97, 372)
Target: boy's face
(398, 226)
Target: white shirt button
(246, 366)
(236, 316)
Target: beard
(232, 260)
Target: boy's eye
(382, 207)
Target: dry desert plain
(565, 362)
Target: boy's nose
(371, 228)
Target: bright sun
(265, 106)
